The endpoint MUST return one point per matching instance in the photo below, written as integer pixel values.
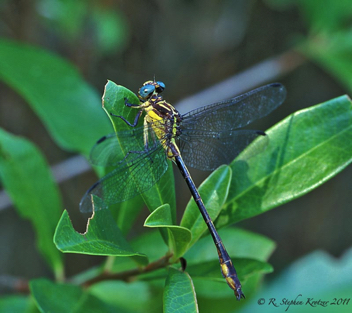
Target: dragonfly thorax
(160, 116)
(164, 119)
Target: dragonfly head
(150, 88)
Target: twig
(130, 274)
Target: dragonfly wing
(137, 173)
(108, 150)
(208, 150)
(236, 112)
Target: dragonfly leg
(127, 104)
(136, 119)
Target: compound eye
(146, 91)
(161, 86)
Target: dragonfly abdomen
(227, 269)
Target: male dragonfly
(203, 138)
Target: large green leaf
(114, 103)
(306, 149)
(29, 182)
(102, 237)
(179, 295)
(67, 105)
(213, 191)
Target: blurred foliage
(69, 18)
(302, 281)
(190, 45)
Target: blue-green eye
(161, 86)
(146, 90)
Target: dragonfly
(204, 138)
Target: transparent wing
(236, 112)
(209, 150)
(208, 139)
(210, 135)
(111, 149)
(135, 174)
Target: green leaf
(290, 166)
(29, 182)
(51, 297)
(114, 103)
(160, 216)
(69, 107)
(179, 295)
(179, 237)
(102, 237)
(213, 191)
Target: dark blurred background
(190, 45)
